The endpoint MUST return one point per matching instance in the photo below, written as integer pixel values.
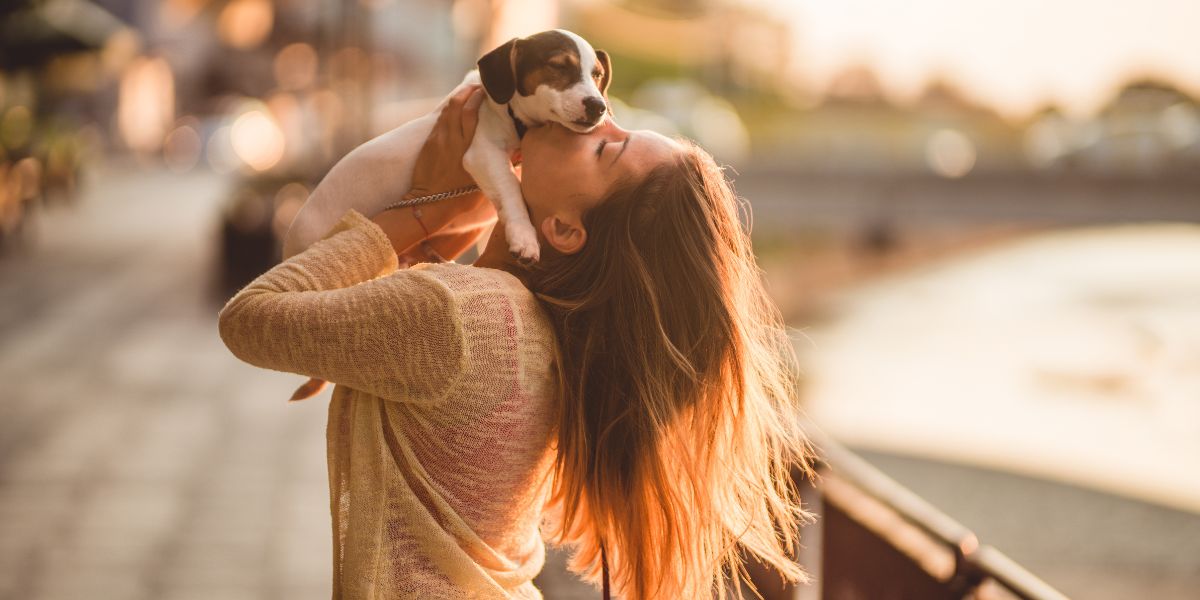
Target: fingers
(470, 113)
(452, 116)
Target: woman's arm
(464, 221)
(341, 311)
(365, 179)
(448, 225)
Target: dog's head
(550, 76)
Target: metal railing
(878, 539)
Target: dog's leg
(490, 168)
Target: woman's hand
(451, 225)
(439, 166)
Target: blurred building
(55, 57)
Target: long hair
(677, 433)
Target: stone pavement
(138, 458)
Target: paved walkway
(138, 458)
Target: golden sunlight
(146, 103)
(257, 140)
(1013, 55)
(245, 24)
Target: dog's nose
(594, 107)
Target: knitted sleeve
(341, 311)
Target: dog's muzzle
(594, 108)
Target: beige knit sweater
(440, 426)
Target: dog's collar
(521, 127)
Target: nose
(594, 107)
(608, 127)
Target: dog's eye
(597, 74)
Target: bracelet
(425, 245)
(414, 202)
(432, 197)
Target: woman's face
(564, 173)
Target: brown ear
(496, 72)
(602, 58)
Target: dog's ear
(496, 72)
(603, 59)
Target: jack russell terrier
(549, 76)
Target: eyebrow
(623, 147)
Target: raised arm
(341, 311)
(417, 158)
(367, 179)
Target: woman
(631, 396)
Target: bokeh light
(146, 105)
(350, 64)
(1045, 142)
(182, 147)
(950, 153)
(1180, 124)
(257, 140)
(296, 66)
(245, 24)
(219, 152)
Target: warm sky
(1013, 55)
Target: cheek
(549, 187)
(537, 187)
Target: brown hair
(677, 385)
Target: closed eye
(600, 147)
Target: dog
(553, 75)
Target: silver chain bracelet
(432, 197)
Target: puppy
(554, 75)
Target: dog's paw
(523, 244)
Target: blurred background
(979, 218)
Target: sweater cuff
(352, 219)
(349, 219)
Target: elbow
(292, 243)
(298, 236)
(228, 326)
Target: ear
(603, 59)
(565, 235)
(496, 72)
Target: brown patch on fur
(604, 69)
(547, 58)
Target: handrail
(974, 562)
